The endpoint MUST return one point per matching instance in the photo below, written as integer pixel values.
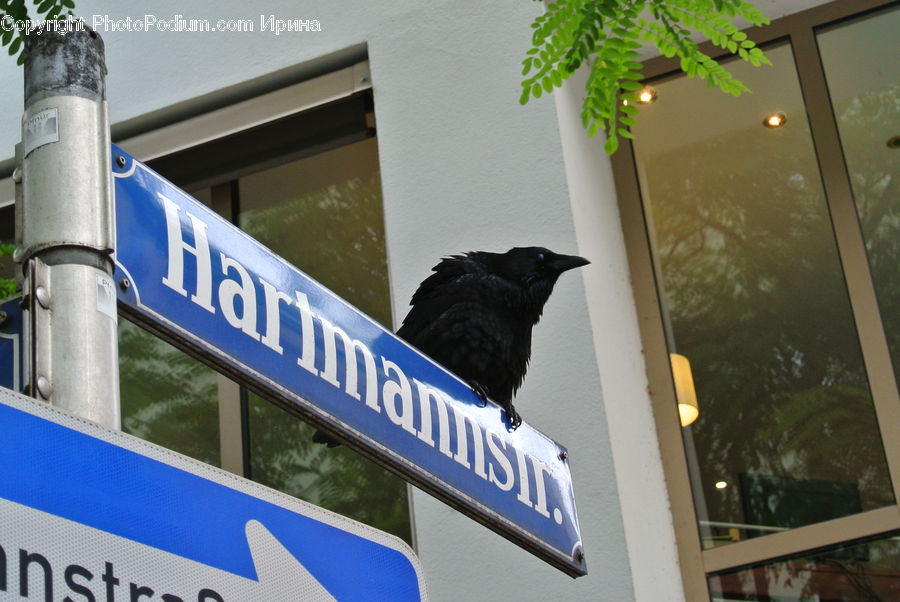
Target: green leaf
(557, 78)
(612, 144)
(536, 90)
(14, 47)
(739, 36)
(625, 133)
(523, 99)
(45, 6)
(526, 66)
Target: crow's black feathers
(475, 313)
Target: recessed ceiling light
(721, 484)
(646, 95)
(775, 120)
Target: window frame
(696, 563)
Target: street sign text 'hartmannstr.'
(209, 288)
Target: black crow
(475, 313)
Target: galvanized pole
(67, 223)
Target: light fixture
(775, 120)
(646, 95)
(688, 410)
(721, 484)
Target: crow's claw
(480, 390)
(513, 417)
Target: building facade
(747, 269)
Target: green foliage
(7, 285)
(16, 12)
(608, 35)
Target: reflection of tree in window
(335, 235)
(168, 397)
(864, 123)
(862, 77)
(757, 302)
(867, 571)
(284, 457)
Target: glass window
(850, 573)
(168, 397)
(865, 92)
(7, 238)
(753, 296)
(324, 215)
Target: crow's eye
(540, 257)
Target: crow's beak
(561, 263)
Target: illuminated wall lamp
(688, 410)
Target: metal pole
(67, 226)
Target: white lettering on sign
(200, 250)
(240, 303)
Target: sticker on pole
(40, 129)
(89, 513)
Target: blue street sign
(86, 510)
(207, 287)
(11, 360)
